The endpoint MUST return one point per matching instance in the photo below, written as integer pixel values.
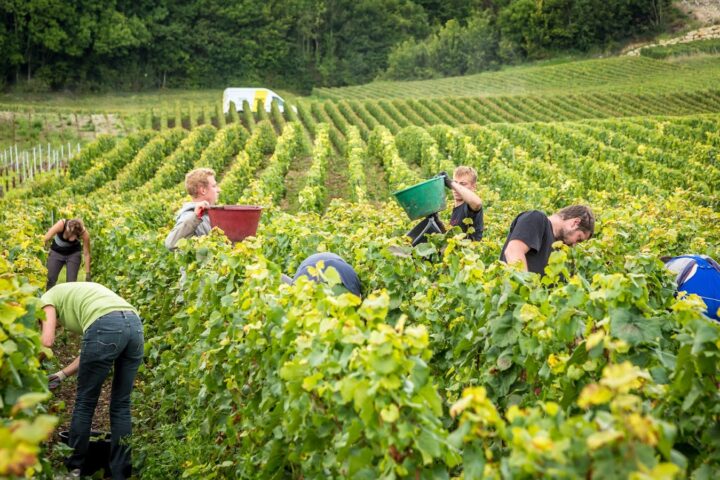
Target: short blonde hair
(465, 171)
(197, 179)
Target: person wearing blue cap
(698, 274)
(348, 276)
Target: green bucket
(422, 199)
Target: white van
(252, 96)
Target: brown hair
(75, 227)
(197, 179)
(466, 171)
(587, 219)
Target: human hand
(55, 379)
(88, 277)
(448, 181)
(201, 207)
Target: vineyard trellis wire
(18, 166)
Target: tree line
(295, 44)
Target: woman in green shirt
(112, 336)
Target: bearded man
(532, 233)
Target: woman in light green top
(112, 336)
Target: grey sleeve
(204, 226)
(184, 228)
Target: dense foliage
(524, 29)
(453, 365)
(23, 385)
(298, 44)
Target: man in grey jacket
(192, 220)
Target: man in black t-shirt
(532, 234)
(467, 205)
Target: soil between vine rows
(65, 352)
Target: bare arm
(515, 252)
(468, 196)
(47, 337)
(55, 229)
(86, 250)
(72, 368)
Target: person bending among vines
(699, 275)
(532, 233)
(112, 340)
(192, 220)
(320, 262)
(65, 250)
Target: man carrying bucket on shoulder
(467, 205)
(192, 220)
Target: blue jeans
(115, 339)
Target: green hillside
(617, 74)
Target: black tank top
(62, 246)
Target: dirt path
(294, 182)
(65, 353)
(336, 181)
(377, 187)
(705, 33)
(705, 11)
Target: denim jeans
(115, 339)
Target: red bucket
(237, 221)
